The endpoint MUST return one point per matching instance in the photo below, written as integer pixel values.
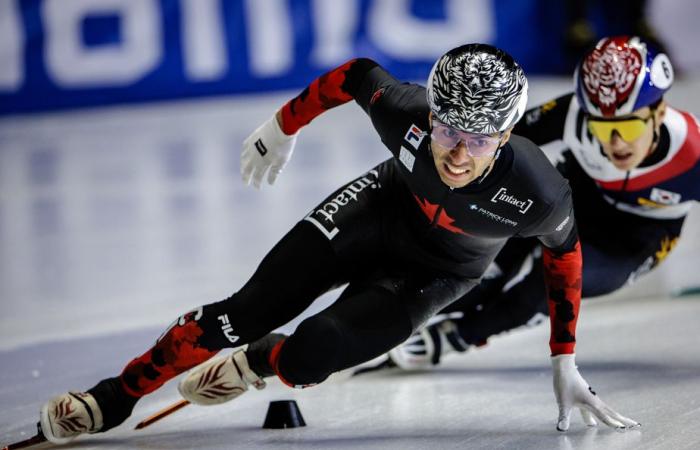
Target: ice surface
(640, 356)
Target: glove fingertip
(257, 180)
(588, 418)
(259, 177)
(564, 420)
(246, 175)
(272, 176)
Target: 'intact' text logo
(502, 196)
(323, 216)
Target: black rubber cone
(283, 414)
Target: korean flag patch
(665, 197)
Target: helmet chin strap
(495, 156)
(655, 138)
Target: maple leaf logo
(443, 221)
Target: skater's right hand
(572, 391)
(266, 149)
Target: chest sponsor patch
(414, 136)
(664, 197)
(503, 196)
(493, 216)
(407, 158)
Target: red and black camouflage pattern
(564, 282)
(332, 89)
(175, 352)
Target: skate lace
(211, 385)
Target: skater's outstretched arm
(563, 278)
(268, 149)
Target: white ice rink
(113, 222)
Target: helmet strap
(491, 165)
(655, 138)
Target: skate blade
(161, 414)
(35, 442)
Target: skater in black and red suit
(408, 237)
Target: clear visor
(477, 144)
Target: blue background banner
(57, 54)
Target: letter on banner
(11, 46)
(396, 32)
(270, 37)
(204, 40)
(71, 64)
(334, 28)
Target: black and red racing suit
(405, 243)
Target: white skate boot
(69, 415)
(219, 380)
(425, 348)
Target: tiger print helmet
(477, 88)
(620, 75)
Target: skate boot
(67, 416)
(426, 347)
(219, 380)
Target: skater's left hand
(572, 391)
(266, 150)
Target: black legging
(383, 304)
(386, 299)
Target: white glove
(267, 148)
(572, 391)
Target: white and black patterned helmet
(477, 88)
